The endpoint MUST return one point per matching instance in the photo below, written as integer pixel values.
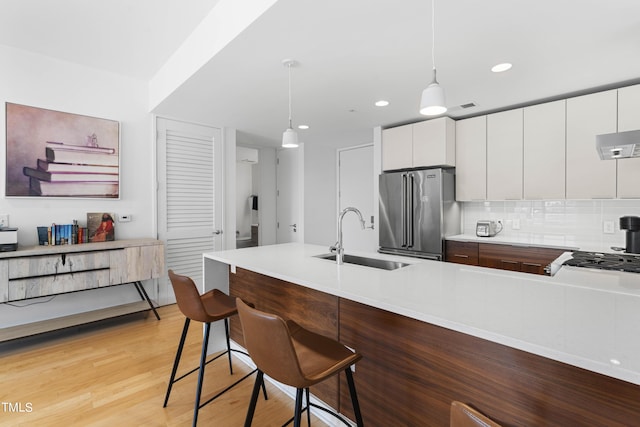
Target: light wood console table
(40, 271)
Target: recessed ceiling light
(501, 67)
(382, 103)
(303, 127)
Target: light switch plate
(515, 224)
(125, 218)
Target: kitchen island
(525, 349)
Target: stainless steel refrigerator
(417, 210)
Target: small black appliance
(632, 225)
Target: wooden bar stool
(463, 415)
(206, 308)
(294, 356)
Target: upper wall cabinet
(397, 147)
(504, 155)
(544, 151)
(423, 144)
(434, 143)
(588, 177)
(628, 119)
(471, 159)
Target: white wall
(320, 211)
(39, 81)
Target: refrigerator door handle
(410, 202)
(403, 203)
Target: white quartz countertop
(585, 318)
(568, 243)
(556, 242)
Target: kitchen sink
(366, 262)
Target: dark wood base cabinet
(526, 259)
(411, 371)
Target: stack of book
(75, 171)
(67, 234)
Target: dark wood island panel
(411, 371)
(314, 310)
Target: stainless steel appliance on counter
(487, 228)
(417, 210)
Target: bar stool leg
(254, 398)
(177, 360)
(308, 407)
(203, 358)
(298, 412)
(264, 391)
(226, 331)
(354, 397)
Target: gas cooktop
(604, 261)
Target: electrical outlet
(608, 227)
(515, 224)
(4, 220)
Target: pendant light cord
(433, 36)
(289, 66)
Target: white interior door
(355, 189)
(190, 198)
(288, 185)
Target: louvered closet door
(189, 201)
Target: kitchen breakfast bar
(523, 349)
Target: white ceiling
(350, 53)
(129, 37)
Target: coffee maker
(632, 225)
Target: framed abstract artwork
(57, 154)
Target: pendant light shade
(289, 136)
(432, 102)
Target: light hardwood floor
(115, 373)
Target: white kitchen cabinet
(628, 119)
(423, 144)
(504, 155)
(544, 151)
(434, 143)
(588, 177)
(471, 159)
(397, 147)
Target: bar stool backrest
(188, 297)
(268, 341)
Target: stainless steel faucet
(338, 249)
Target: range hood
(619, 145)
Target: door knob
(294, 227)
(217, 232)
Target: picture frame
(101, 226)
(58, 154)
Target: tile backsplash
(572, 222)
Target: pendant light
(432, 102)
(289, 136)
